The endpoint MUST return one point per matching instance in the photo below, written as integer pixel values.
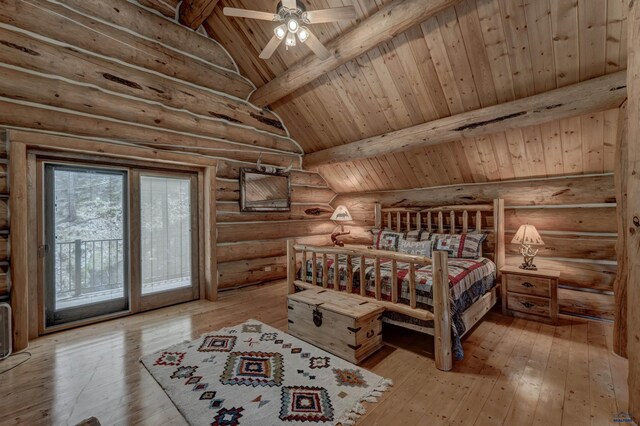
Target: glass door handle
(42, 250)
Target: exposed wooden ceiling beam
(378, 28)
(594, 95)
(194, 12)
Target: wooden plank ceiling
(477, 54)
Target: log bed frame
(414, 220)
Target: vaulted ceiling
(476, 54)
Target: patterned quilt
(469, 279)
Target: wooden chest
(344, 326)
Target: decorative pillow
(466, 246)
(412, 235)
(418, 248)
(386, 240)
(426, 236)
(374, 235)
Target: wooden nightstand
(530, 294)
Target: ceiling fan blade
(270, 47)
(290, 4)
(317, 47)
(251, 14)
(331, 15)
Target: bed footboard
(442, 311)
(441, 292)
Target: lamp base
(528, 263)
(527, 256)
(531, 267)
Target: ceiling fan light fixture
(291, 21)
(291, 40)
(280, 31)
(303, 34)
(293, 25)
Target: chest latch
(317, 317)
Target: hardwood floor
(515, 372)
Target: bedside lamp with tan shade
(340, 214)
(528, 236)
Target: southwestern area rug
(253, 374)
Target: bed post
(498, 225)
(291, 266)
(378, 215)
(442, 311)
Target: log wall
(576, 217)
(116, 71)
(113, 72)
(252, 246)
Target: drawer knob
(317, 317)
(527, 284)
(527, 305)
(370, 334)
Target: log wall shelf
(530, 294)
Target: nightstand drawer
(529, 304)
(529, 285)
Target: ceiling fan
(293, 16)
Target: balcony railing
(85, 267)
(90, 268)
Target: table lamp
(528, 236)
(340, 214)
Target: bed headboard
(449, 219)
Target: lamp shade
(528, 235)
(341, 214)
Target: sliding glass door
(86, 242)
(116, 240)
(168, 252)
